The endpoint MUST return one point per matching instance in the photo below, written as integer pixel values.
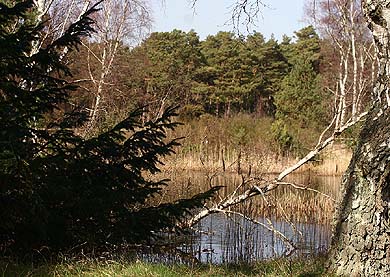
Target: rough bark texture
(361, 241)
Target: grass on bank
(278, 267)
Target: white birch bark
(118, 22)
(341, 22)
(361, 238)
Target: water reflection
(222, 239)
(301, 216)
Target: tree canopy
(58, 189)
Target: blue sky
(210, 16)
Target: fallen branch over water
(263, 187)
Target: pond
(233, 240)
(300, 216)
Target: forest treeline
(84, 133)
(293, 81)
(59, 190)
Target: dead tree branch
(259, 187)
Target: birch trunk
(355, 62)
(118, 23)
(361, 241)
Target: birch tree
(62, 14)
(352, 71)
(361, 240)
(119, 23)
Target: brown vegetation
(244, 144)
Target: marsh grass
(314, 266)
(221, 151)
(303, 216)
(244, 144)
(285, 202)
(218, 152)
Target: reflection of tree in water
(234, 239)
(261, 227)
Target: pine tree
(307, 46)
(299, 99)
(269, 67)
(226, 75)
(58, 189)
(172, 59)
(298, 104)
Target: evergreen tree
(269, 67)
(285, 45)
(307, 46)
(226, 76)
(299, 99)
(58, 189)
(298, 104)
(172, 60)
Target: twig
(269, 227)
(306, 188)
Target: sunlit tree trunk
(361, 241)
(342, 23)
(118, 23)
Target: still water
(302, 217)
(238, 240)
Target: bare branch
(307, 189)
(259, 187)
(269, 227)
(243, 12)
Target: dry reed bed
(197, 169)
(286, 202)
(255, 161)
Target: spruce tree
(57, 189)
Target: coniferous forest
(290, 82)
(59, 189)
(99, 117)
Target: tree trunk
(361, 240)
